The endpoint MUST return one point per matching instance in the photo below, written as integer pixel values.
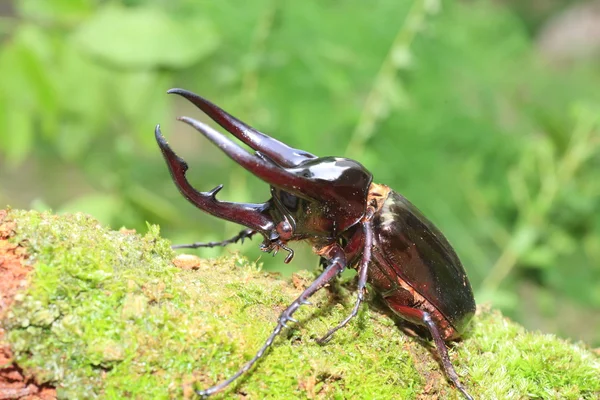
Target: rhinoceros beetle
(351, 222)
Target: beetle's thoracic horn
(268, 171)
(277, 151)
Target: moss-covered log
(112, 314)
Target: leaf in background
(24, 63)
(33, 49)
(55, 10)
(153, 203)
(145, 38)
(140, 94)
(156, 104)
(84, 88)
(73, 141)
(17, 141)
(133, 91)
(3, 124)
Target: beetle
(350, 221)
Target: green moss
(512, 362)
(107, 315)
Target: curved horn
(254, 216)
(277, 151)
(262, 168)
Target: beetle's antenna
(279, 152)
(246, 233)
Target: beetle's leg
(362, 281)
(336, 264)
(414, 313)
(279, 152)
(246, 233)
(254, 216)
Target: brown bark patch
(14, 383)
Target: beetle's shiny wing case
(421, 256)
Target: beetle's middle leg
(244, 234)
(362, 281)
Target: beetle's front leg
(336, 264)
(244, 234)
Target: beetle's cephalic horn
(253, 216)
(279, 152)
(268, 171)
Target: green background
(453, 104)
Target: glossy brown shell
(419, 254)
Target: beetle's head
(311, 196)
(331, 198)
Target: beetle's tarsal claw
(289, 257)
(324, 340)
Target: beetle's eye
(285, 231)
(288, 200)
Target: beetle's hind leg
(411, 314)
(362, 282)
(244, 234)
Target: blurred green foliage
(448, 103)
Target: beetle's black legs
(281, 153)
(246, 233)
(337, 263)
(362, 281)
